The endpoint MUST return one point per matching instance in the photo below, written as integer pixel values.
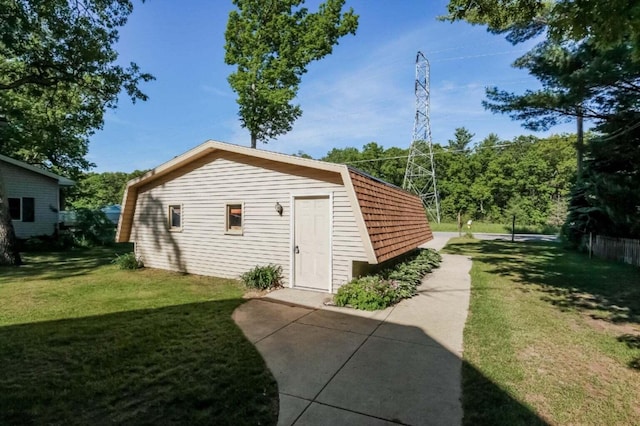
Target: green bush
(128, 261)
(263, 277)
(93, 228)
(390, 285)
(367, 293)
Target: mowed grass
(82, 342)
(492, 228)
(552, 337)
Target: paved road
(440, 238)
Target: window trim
(170, 209)
(227, 206)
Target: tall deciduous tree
(58, 75)
(272, 42)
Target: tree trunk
(254, 140)
(9, 254)
(579, 141)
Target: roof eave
(130, 193)
(62, 181)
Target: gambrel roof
(391, 221)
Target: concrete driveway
(339, 366)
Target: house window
(22, 209)
(15, 208)
(175, 217)
(28, 209)
(234, 218)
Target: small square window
(15, 208)
(234, 218)
(175, 217)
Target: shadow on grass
(632, 341)
(569, 280)
(185, 364)
(346, 367)
(485, 403)
(62, 264)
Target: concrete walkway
(339, 366)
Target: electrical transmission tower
(420, 175)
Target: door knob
(297, 250)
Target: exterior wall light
(279, 208)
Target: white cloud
(227, 92)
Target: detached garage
(221, 209)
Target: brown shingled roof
(395, 219)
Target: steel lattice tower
(420, 175)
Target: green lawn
(552, 337)
(82, 342)
(492, 228)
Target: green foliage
(608, 23)
(588, 65)
(390, 170)
(366, 293)
(272, 46)
(606, 201)
(263, 277)
(97, 190)
(528, 174)
(58, 74)
(92, 228)
(128, 261)
(462, 140)
(390, 285)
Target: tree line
(490, 180)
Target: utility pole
(420, 175)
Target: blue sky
(361, 93)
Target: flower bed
(390, 285)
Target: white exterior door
(311, 243)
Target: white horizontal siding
(202, 247)
(19, 183)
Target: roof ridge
(376, 179)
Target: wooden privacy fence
(619, 249)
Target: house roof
(391, 220)
(395, 219)
(62, 181)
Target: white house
(221, 209)
(33, 195)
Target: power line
(476, 148)
(506, 52)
